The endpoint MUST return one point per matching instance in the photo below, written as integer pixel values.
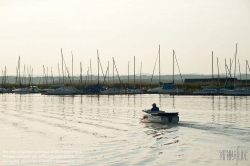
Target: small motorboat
(160, 117)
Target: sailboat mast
(32, 76)
(24, 76)
(113, 72)
(140, 74)
(98, 65)
(134, 71)
(5, 76)
(52, 76)
(235, 67)
(226, 70)
(239, 72)
(2, 77)
(43, 75)
(108, 73)
(19, 70)
(128, 72)
(59, 73)
(117, 72)
(218, 72)
(91, 73)
(226, 66)
(16, 75)
(47, 77)
(88, 76)
(65, 72)
(246, 71)
(28, 74)
(173, 66)
(212, 69)
(62, 66)
(81, 73)
(159, 65)
(230, 72)
(72, 69)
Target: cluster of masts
(228, 70)
(226, 90)
(64, 74)
(68, 78)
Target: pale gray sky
(38, 29)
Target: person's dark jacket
(155, 109)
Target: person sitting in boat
(154, 107)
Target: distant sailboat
(155, 90)
(208, 89)
(237, 90)
(170, 88)
(61, 89)
(21, 89)
(112, 89)
(133, 90)
(4, 78)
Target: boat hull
(207, 92)
(237, 92)
(21, 91)
(59, 92)
(112, 91)
(170, 91)
(154, 90)
(134, 92)
(148, 118)
(160, 117)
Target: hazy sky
(38, 29)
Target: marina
(66, 85)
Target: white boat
(170, 88)
(60, 91)
(111, 90)
(133, 91)
(171, 91)
(155, 90)
(3, 90)
(207, 91)
(72, 88)
(159, 117)
(238, 91)
(34, 89)
(21, 91)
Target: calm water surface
(106, 130)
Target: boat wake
(220, 129)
